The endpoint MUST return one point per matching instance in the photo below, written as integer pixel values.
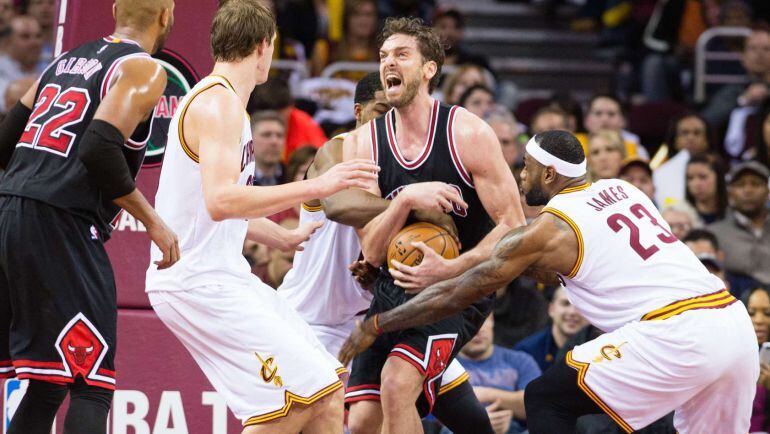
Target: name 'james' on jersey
(45, 164)
(629, 263)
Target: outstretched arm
(547, 244)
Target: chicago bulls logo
(440, 351)
(81, 347)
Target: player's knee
(333, 406)
(399, 381)
(97, 397)
(363, 419)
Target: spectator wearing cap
(450, 25)
(681, 218)
(638, 173)
(544, 345)
(744, 234)
(498, 376)
(688, 135)
(301, 129)
(548, 118)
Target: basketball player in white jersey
(255, 350)
(676, 339)
(323, 292)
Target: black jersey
(45, 164)
(438, 161)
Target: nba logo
(13, 391)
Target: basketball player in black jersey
(431, 156)
(70, 149)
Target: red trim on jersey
(56, 379)
(454, 151)
(362, 386)
(390, 120)
(362, 398)
(35, 364)
(375, 145)
(106, 373)
(5, 363)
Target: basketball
(438, 239)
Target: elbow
(218, 209)
(332, 211)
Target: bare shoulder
(357, 143)
(216, 106)
(143, 73)
(468, 129)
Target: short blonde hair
(612, 137)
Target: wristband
(376, 324)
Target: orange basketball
(438, 239)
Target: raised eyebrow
(400, 48)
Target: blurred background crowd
(670, 95)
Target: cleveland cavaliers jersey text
(629, 263)
(45, 164)
(439, 160)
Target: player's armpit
(138, 84)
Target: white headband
(562, 167)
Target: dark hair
(715, 164)
(299, 157)
(469, 91)
(761, 154)
(274, 94)
(701, 234)
(562, 145)
(238, 27)
(670, 139)
(452, 14)
(570, 106)
(428, 41)
(367, 87)
(610, 96)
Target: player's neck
(240, 75)
(143, 38)
(414, 118)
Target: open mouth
(392, 82)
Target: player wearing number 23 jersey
(675, 338)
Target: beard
(410, 91)
(536, 196)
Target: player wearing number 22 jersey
(675, 338)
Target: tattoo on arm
(452, 296)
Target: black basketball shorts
(58, 311)
(429, 348)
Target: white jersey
(211, 252)
(629, 263)
(319, 285)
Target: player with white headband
(675, 338)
